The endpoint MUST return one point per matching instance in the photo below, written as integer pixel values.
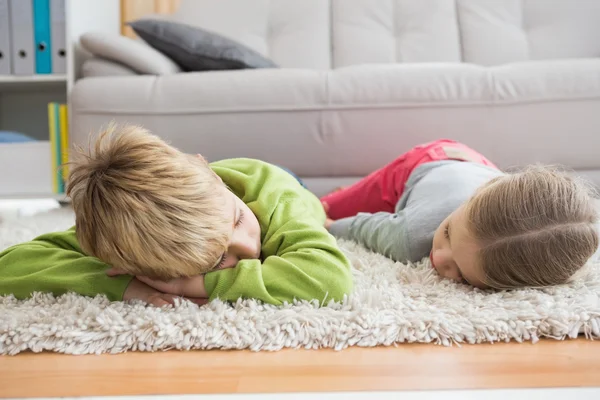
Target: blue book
(14, 137)
(41, 36)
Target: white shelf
(34, 196)
(13, 82)
(41, 78)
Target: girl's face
(454, 251)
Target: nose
(444, 265)
(243, 246)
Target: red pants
(381, 190)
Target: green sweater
(301, 259)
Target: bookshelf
(36, 79)
(25, 168)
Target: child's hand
(192, 287)
(161, 293)
(328, 223)
(136, 290)
(325, 207)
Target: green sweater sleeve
(301, 260)
(54, 263)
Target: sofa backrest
(485, 32)
(323, 34)
(496, 32)
(292, 33)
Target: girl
(476, 224)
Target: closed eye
(240, 218)
(222, 262)
(238, 222)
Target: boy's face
(244, 241)
(454, 251)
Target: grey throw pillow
(195, 49)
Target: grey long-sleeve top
(433, 191)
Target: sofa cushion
(129, 52)
(496, 32)
(195, 49)
(484, 32)
(253, 90)
(394, 31)
(292, 33)
(451, 84)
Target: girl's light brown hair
(535, 228)
(145, 207)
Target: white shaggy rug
(393, 303)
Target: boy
(237, 228)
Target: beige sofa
(362, 81)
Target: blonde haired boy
(237, 228)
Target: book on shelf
(32, 37)
(58, 129)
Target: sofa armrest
(133, 54)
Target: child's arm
(305, 263)
(382, 232)
(54, 263)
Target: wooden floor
(571, 363)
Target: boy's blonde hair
(147, 208)
(536, 228)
